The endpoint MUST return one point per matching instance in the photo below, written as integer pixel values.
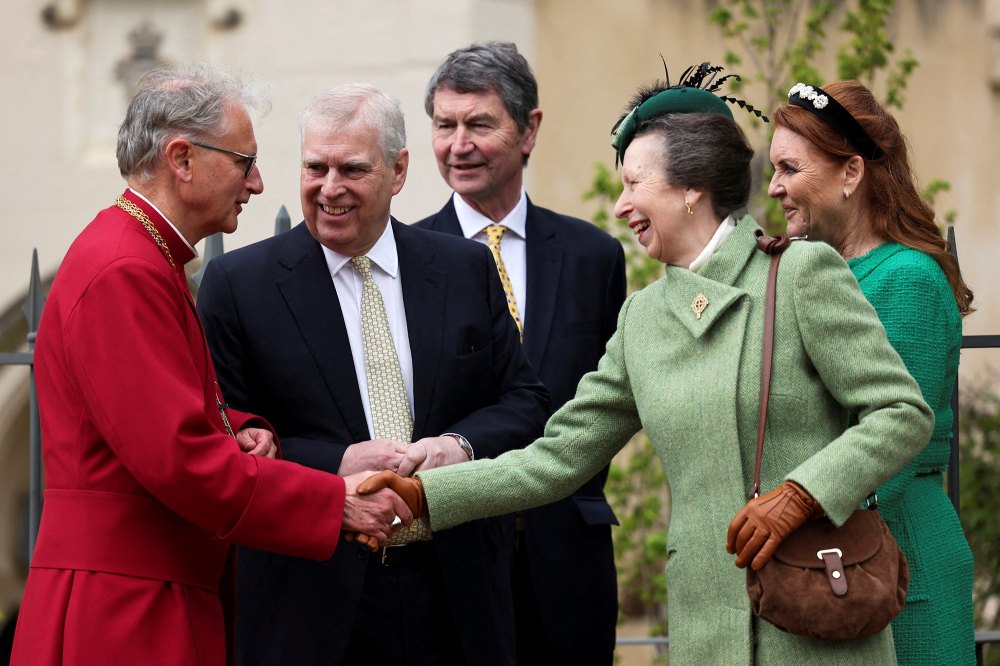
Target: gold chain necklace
(138, 214)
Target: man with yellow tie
(372, 345)
(565, 282)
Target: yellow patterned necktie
(390, 408)
(494, 233)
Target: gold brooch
(698, 305)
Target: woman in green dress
(842, 176)
(684, 364)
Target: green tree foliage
(779, 42)
(979, 481)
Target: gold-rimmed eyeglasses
(251, 159)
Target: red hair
(896, 210)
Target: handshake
(378, 504)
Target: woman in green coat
(850, 184)
(684, 364)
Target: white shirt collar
(167, 219)
(727, 227)
(383, 254)
(474, 222)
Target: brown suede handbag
(823, 581)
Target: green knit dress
(915, 303)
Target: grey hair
(705, 151)
(489, 66)
(360, 105)
(189, 101)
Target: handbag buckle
(832, 558)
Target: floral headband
(694, 93)
(819, 102)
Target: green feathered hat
(694, 93)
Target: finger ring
(396, 521)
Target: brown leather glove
(366, 539)
(765, 521)
(411, 489)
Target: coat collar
(866, 264)
(180, 250)
(714, 284)
(424, 288)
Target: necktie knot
(495, 232)
(363, 265)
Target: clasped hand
(764, 522)
(402, 457)
(257, 442)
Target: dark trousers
(534, 646)
(404, 619)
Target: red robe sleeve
(137, 352)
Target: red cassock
(145, 490)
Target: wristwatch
(462, 442)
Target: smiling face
(655, 209)
(479, 148)
(346, 186)
(222, 186)
(810, 186)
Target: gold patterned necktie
(494, 233)
(390, 408)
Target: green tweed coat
(693, 384)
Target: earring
(690, 212)
(847, 193)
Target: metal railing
(214, 247)
(968, 342)
(32, 309)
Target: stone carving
(145, 42)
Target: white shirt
(513, 247)
(727, 227)
(153, 206)
(349, 283)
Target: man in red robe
(150, 477)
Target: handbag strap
(773, 246)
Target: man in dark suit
(355, 335)
(566, 280)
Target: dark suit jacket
(278, 338)
(576, 286)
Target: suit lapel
(544, 265)
(544, 258)
(424, 301)
(309, 292)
